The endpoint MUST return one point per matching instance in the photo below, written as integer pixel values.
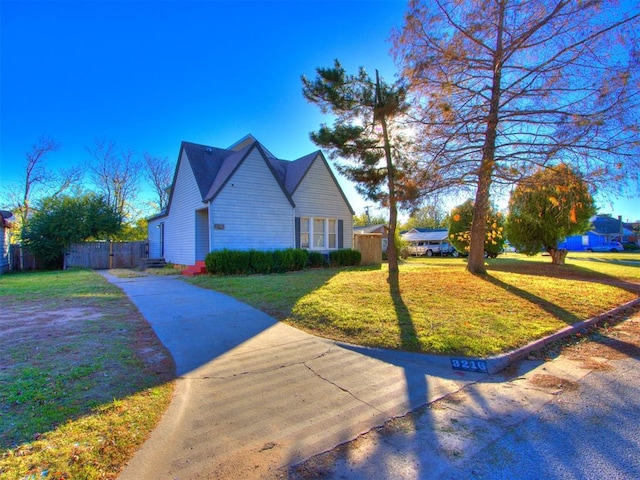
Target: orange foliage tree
(547, 207)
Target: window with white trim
(332, 232)
(319, 233)
(304, 233)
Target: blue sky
(148, 75)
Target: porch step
(153, 263)
(198, 269)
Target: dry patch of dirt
(551, 381)
(41, 324)
(38, 320)
(611, 343)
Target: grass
(168, 269)
(83, 379)
(441, 308)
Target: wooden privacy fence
(22, 259)
(101, 255)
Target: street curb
(489, 365)
(500, 362)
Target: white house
(243, 198)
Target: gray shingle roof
(213, 167)
(206, 163)
(292, 172)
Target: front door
(202, 233)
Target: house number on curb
(469, 365)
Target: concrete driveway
(254, 395)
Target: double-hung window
(304, 233)
(332, 232)
(319, 233)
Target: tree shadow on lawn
(564, 272)
(408, 333)
(625, 262)
(549, 307)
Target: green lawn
(441, 308)
(83, 379)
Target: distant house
(5, 225)
(604, 229)
(634, 227)
(243, 198)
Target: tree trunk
(558, 255)
(475, 263)
(392, 253)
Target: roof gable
(5, 215)
(231, 165)
(299, 169)
(226, 169)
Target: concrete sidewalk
(254, 395)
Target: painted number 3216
(469, 365)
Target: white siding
(318, 196)
(180, 224)
(252, 211)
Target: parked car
(431, 248)
(417, 248)
(607, 247)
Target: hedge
(345, 258)
(244, 262)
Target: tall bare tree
(115, 174)
(503, 87)
(159, 172)
(39, 179)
